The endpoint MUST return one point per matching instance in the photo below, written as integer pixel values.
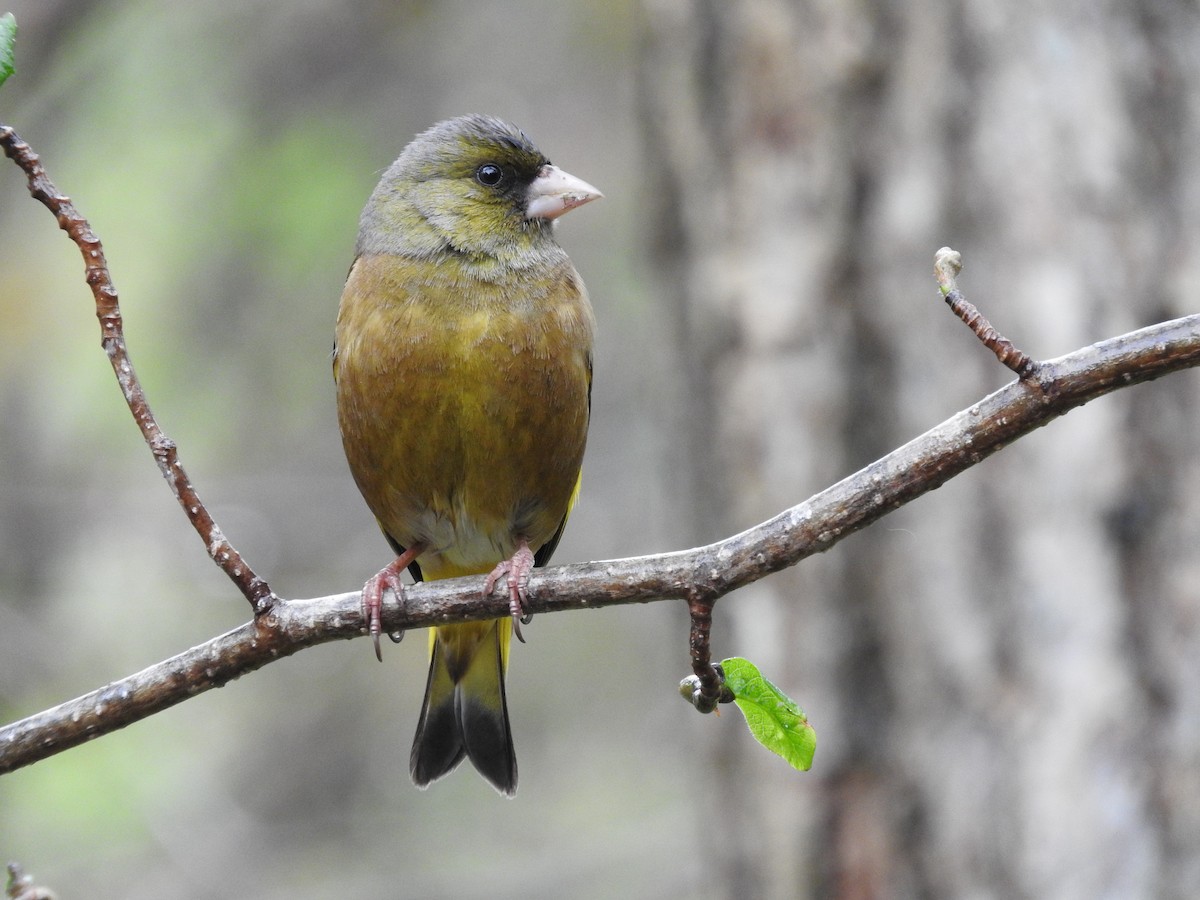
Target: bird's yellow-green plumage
(463, 371)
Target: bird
(463, 372)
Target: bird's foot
(516, 571)
(373, 590)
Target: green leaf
(8, 37)
(774, 719)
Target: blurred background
(1004, 675)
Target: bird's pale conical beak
(555, 192)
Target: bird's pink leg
(516, 570)
(372, 592)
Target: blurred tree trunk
(1005, 676)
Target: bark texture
(1004, 677)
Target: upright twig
(946, 266)
(112, 338)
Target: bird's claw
(372, 595)
(372, 604)
(516, 571)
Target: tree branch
(112, 338)
(699, 576)
(709, 572)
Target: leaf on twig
(8, 37)
(774, 719)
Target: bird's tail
(465, 713)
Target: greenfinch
(463, 366)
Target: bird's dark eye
(489, 174)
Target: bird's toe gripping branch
(372, 595)
(516, 572)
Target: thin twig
(947, 264)
(706, 686)
(812, 527)
(112, 338)
(708, 680)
